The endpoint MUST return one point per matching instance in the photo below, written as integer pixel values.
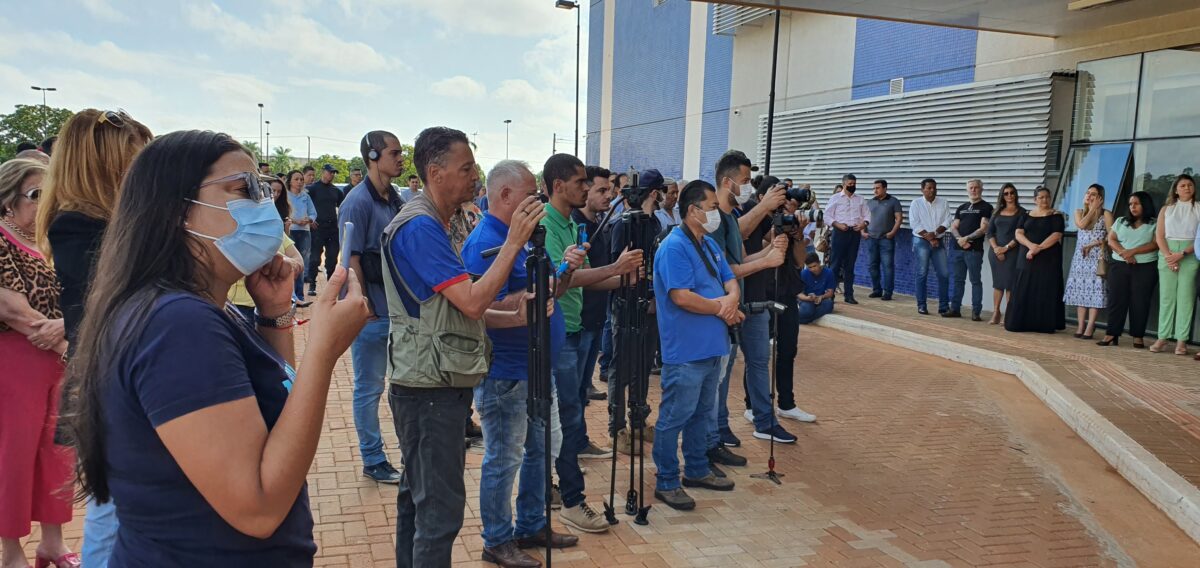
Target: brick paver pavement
(1152, 397)
(915, 462)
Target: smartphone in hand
(347, 232)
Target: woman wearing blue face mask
(193, 419)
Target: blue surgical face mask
(257, 237)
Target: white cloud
(459, 87)
(354, 87)
(239, 91)
(514, 18)
(303, 39)
(104, 11)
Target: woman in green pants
(1177, 264)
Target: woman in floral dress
(1085, 289)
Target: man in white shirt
(849, 216)
(930, 217)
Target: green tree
(255, 151)
(281, 159)
(29, 123)
(341, 164)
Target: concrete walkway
(1140, 410)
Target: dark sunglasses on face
(258, 186)
(1008, 193)
(117, 118)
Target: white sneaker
(796, 414)
(749, 415)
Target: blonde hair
(90, 157)
(13, 173)
(1173, 196)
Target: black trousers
(431, 425)
(1130, 291)
(786, 347)
(844, 251)
(324, 239)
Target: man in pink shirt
(849, 216)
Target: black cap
(651, 179)
(329, 168)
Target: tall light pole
(309, 159)
(260, 129)
(45, 113)
(268, 160)
(569, 5)
(506, 123)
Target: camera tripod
(631, 306)
(537, 267)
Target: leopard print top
(25, 271)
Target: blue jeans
(881, 259)
(369, 355)
(589, 352)
(303, 241)
(512, 442)
(99, 533)
(688, 392)
(606, 348)
(756, 353)
(574, 429)
(926, 253)
(967, 262)
(845, 253)
(810, 312)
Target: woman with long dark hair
(1132, 274)
(1002, 238)
(1037, 294)
(1175, 235)
(189, 417)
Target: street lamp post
(569, 5)
(268, 148)
(45, 112)
(506, 123)
(260, 129)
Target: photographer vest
(441, 347)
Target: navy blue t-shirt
(424, 258)
(818, 285)
(510, 346)
(190, 356)
(370, 214)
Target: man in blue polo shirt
(370, 206)
(696, 295)
(511, 441)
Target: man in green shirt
(566, 184)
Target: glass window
(1106, 93)
(1170, 89)
(1104, 164)
(1156, 163)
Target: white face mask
(712, 221)
(744, 196)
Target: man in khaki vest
(438, 348)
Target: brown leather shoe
(557, 540)
(508, 555)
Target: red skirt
(36, 475)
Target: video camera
(633, 194)
(751, 308)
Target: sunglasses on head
(117, 118)
(258, 186)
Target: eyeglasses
(258, 186)
(117, 118)
(33, 194)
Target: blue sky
(329, 69)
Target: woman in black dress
(1002, 256)
(1036, 303)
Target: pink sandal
(68, 560)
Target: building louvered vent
(896, 86)
(727, 17)
(998, 131)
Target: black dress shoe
(723, 456)
(875, 294)
(923, 311)
(886, 297)
(951, 314)
(851, 301)
(507, 555)
(594, 394)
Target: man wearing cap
(327, 198)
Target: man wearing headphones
(371, 205)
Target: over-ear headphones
(373, 154)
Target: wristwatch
(284, 321)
